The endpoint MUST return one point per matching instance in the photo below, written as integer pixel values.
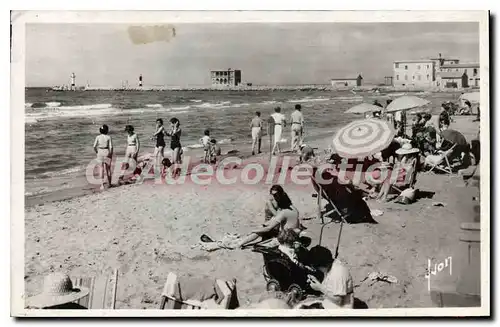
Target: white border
(19, 19)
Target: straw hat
(407, 149)
(57, 289)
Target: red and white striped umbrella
(363, 138)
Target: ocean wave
(225, 141)
(214, 105)
(53, 104)
(28, 105)
(180, 108)
(67, 171)
(349, 98)
(308, 100)
(155, 105)
(269, 102)
(194, 146)
(239, 105)
(30, 120)
(196, 100)
(97, 106)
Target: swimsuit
(160, 141)
(175, 142)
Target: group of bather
(103, 147)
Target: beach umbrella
(454, 137)
(363, 108)
(473, 97)
(362, 138)
(406, 102)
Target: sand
(147, 231)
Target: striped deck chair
(224, 289)
(443, 164)
(102, 293)
(411, 171)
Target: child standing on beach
(103, 147)
(205, 141)
(132, 149)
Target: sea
(60, 126)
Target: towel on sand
(227, 242)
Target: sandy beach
(148, 230)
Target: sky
(278, 54)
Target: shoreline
(79, 187)
(243, 88)
(240, 150)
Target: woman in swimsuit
(160, 142)
(175, 142)
(103, 147)
(132, 149)
(286, 217)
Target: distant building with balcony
(468, 72)
(346, 82)
(414, 73)
(441, 72)
(227, 77)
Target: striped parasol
(363, 138)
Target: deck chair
(411, 170)
(443, 160)
(102, 293)
(224, 289)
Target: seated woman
(337, 286)
(406, 170)
(286, 217)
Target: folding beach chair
(443, 164)
(410, 170)
(224, 289)
(102, 293)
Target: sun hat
(57, 289)
(407, 149)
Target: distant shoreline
(312, 87)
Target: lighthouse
(140, 80)
(73, 76)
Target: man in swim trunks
(256, 126)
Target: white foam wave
(196, 100)
(349, 98)
(214, 105)
(28, 105)
(30, 120)
(239, 105)
(269, 102)
(194, 146)
(308, 100)
(225, 141)
(53, 104)
(97, 106)
(67, 171)
(155, 105)
(180, 108)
